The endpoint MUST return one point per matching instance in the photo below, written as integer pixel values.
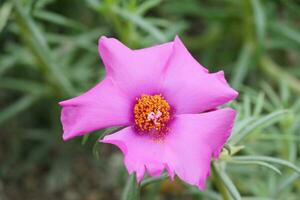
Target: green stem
(219, 183)
(132, 189)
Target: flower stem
(132, 189)
(219, 183)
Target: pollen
(151, 114)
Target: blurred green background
(48, 53)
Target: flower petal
(102, 106)
(136, 72)
(193, 140)
(140, 152)
(189, 88)
(186, 150)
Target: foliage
(49, 53)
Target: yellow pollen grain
(147, 104)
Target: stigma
(152, 114)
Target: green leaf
(206, 194)
(288, 181)
(274, 71)
(259, 19)
(40, 48)
(102, 133)
(4, 14)
(242, 124)
(147, 5)
(141, 22)
(271, 94)
(286, 31)
(110, 131)
(58, 19)
(85, 40)
(260, 123)
(279, 137)
(250, 162)
(24, 86)
(247, 106)
(222, 175)
(284, 92)
(268, 159)
(242, 65)
(6, 63)
(85, 139)
(17, 107)
(259, 104)
(154, 179)
(132, 189)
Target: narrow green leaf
(4, 14)
(24, 86)
(95, 150)
(284, 92)
(267, 165)
(260, 20)
(6, 63)
(141, 22)
(94, 4)
(257, 198)
(271, 94)
(247, 106)
(110, 131)
(288, 181)
(58, 19)
(151, 180)
(241, 125)
(147, 5)
(296, 106)
(206, 194)
(242, 65)
(259, 104)
(85, 40)
(132, 189)
(268, 159)
(102, 133)
(36, 39)
(85, 139)
(222, 175)
(279, 137)
(274, 71)
(260, 123)
(17, 107)
(286, 31)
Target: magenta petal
(193, 140)
(141, 152)
(185, 151)
(102, 106)
(189, 88)
(136, 72)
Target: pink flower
(168, 103)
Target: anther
(151, 112)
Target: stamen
(151, 114)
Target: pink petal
(102, 106)
(141, 152)
(136, 72)
(189, 88)
(186, 150)
(193, 140)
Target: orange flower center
(151, 113)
